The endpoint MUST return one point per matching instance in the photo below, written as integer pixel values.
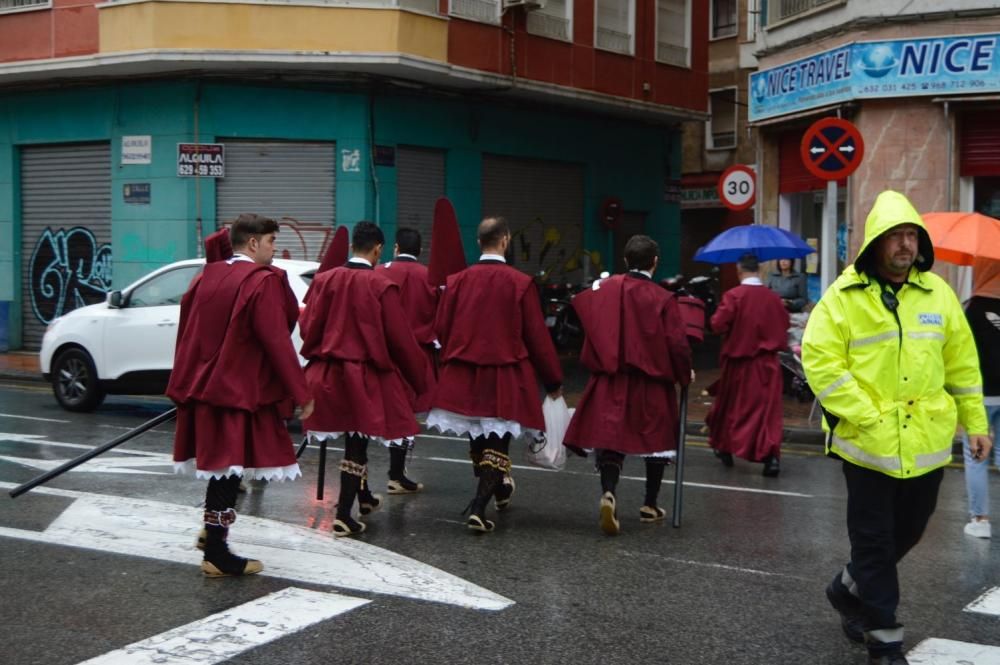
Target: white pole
(828, 237)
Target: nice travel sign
(868, 70)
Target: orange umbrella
(962, 237)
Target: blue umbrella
(765, 242)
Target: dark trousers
(885, 518)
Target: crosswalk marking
(225, 635)
(988, 603)
(935, 651)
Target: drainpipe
(949, 147)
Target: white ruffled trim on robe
(269, 473)
(388, 443)
(448, 421)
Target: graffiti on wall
(68, 269)
(549, 254)
(301, 241)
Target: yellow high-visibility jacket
(893, 384)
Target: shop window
(723, 18)
(721, 129)
(487, 11)
(554, 19)
(673, 32)
(615, 25)
(21, 5)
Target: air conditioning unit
(529, 5)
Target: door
(420, 183)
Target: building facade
(920, 82)
(130, 130)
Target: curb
(20, 375)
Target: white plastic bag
(548, 451)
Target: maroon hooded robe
(493, 336)
(636, 350)
(358, 343)
(236, 375)
(746, 416)
(419, 300)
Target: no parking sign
(738, 187)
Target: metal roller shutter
(543, 202)
(66, 232)
(979, 144)
(420, 183)
(293, 183)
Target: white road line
(166, 531)
(687, 483)
(42, 440)
(935, 651)
(226, 635)
(988, 603)
(44, 420)
(720, 566)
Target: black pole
(321, 478)
(73, 463)
(302, 446)
(679, 473)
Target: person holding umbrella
(894, 366)
(742, 421)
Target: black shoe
(347, 526)
(849, 608)
(896, 658)
(727, 458)
(404, 486)
(771, 467)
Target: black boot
(218, 560)
(726, 458)
(367, 502)
(351, 474)
(492, 468)
(610, 466)
(883, 650)
(398, 482)
(771, 467)
(650, 512)
(849, 607)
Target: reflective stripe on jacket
(893, 386)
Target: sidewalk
(23, 366)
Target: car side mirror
(115, 299)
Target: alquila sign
(868, 70)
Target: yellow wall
(253, 27)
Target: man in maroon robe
(419, 298)
(745, 419)
(636, 350)
(494, 339)
(360, 350)
(235, 379)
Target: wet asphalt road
(741, 582)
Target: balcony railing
(783, 9)
(548, 26)
(613, 40)
(15, 5)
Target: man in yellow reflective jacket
(889, 354)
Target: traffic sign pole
(828, 252)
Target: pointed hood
(890, 210)
(336, 253)
(218, 246)
(447, 254)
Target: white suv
(126, 344)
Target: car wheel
(74, 381)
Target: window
(554, 19)
(723, 18)
(18, 5)
(615, 21)
(424, 6)
(721, 130)
(779, 10)
(487, 11)
(164, 289)
(673, 32)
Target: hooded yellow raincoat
(893, 384)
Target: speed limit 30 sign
(738, 187)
